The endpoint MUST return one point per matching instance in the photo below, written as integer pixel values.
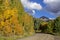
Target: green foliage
(57, 25)
(36, 23)
(43, 26)
(50, 27)
(39, 25)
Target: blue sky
(43, 13)
(38, 8)
(40, 13)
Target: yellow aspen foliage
(18, 29)
(6, 3)
(2, 23)
(1, 18)
(14, 20)
(7, 13)
(14, 11)
(7, 30)
(7, 23)
(27, 19)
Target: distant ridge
(44, 18)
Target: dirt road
(57, 37)
(39, 36)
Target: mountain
(14, 20)
(44, 18)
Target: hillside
(14, 20)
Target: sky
(38, 8)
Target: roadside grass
(14, 37)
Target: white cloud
(51, 18)
(31, 5)
(53, 6)
(33, 12)
(51, 1)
